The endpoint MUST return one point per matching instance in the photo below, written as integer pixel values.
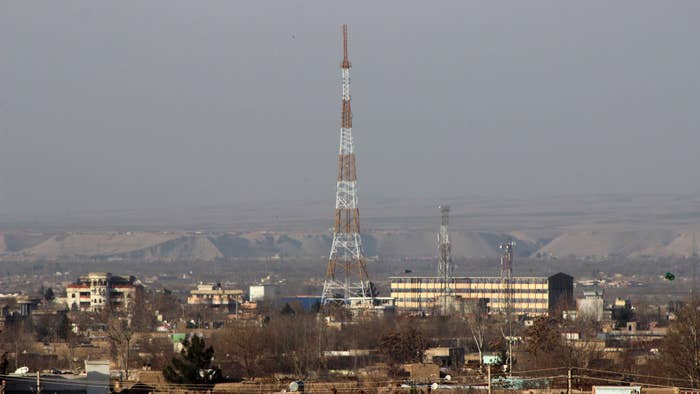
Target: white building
(262, 292)
(98, 290)
(591, 305)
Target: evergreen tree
(194, 364)
(287, 310)
(49, 295)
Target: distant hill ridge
(195, 246)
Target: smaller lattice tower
(346, 275)
(507, 275)
(445, 267)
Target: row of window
(495, 300)
(473, 281)
(468, 286)
(532, 309)
(472, 291)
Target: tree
(155, 351)
(72, 342)
(166, 303)
(4, 363)
(373, 289)
(246, 347)
(63, 327)
(16, 338)
(476, 322)
(680, 349)
(49, 295)
(119, 332)
(546, 348)
(296, 343)
(403, 346)
(543, 342)
(287, 310)
(194, 366)
(50, 328)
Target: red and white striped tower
(346, 276)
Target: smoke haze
(177, 104)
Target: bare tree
(476, 322)
(17, 338)
(403, 346)
(543, 343)
(120, 334)
(245, 345)
(680, 350)
(72, 342)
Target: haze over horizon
(131, 105)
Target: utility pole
(346, 254)
(568, 379)
(38, 382)
(489, 377)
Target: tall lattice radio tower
(346, 275)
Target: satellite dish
(448, 377)
(434, 386)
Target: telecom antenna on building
(507, 276)
(346, 276)
(445, 268)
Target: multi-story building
(262, 292)
(591, 305)
(531, 296)
(214, 295)
(98, 290)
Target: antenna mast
(507, 276)
(693, 268)
(346, 275)
(445, 268)
(507, 299)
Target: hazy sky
(138, 104)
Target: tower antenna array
(346, 275)
(507, 298)
(445, 268)
(507, 276)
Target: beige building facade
(531, 296)
(215, 295)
